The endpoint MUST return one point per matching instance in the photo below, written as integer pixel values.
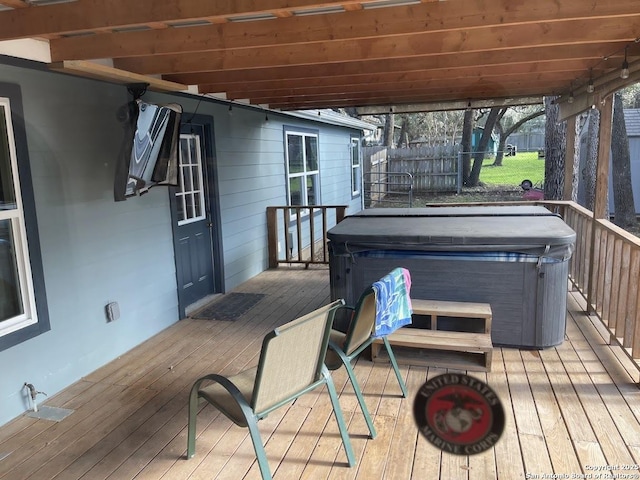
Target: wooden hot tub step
(463, 350)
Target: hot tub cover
(528, 230)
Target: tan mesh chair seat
(219, 397)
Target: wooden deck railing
(305, 232)
(605, 268)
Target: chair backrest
(292, 358)
(362, 323)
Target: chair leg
(392, 358)
(193, 414)
(337, 411)
(258, 447)
(360, 397)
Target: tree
(505, 132)
(478, 156)
(555, 148)
(588, 170)
(625, 214)
(467, 133)
(389, 127)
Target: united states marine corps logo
(459, 414)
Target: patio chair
(360, 334)
(291, 364)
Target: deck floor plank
(567, 407)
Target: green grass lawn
(514, 169)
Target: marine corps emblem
(459, 414)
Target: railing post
(272, 236)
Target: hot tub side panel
(528, 303)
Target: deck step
(442, 348)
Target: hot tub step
(462, 350)
(467, 350)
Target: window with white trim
(17, 298)
(190, 192)
(356, 169)
(302, 168)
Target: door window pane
(190, 192)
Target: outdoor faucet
(33, 393)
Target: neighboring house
(67, 249)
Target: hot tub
(514, 258)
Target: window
(190, 192)
(355, 166)
(17, 298)
(302, 168)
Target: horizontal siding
(96, 250)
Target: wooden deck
(569, 409)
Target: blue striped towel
(393, 303)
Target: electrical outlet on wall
(113, 311)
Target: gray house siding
(96, 251)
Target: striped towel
(393, 303)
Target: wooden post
(272, 236)
(600, 207)
(569, 159)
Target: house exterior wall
(96, 251)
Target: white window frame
(356, 169)
(193, 216)
(304, 174)
(19, 238)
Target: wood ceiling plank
(89, 15)
(375, 23)
(576, 67)
(301, 104)
(242, 91)
(483, 61)
(454, 43)
(14, 3)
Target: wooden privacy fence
(420, 169)
(304, 231)
(433, 169)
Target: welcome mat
(230, 307)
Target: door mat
(230, 307)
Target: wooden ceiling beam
(392, 21)
(481, 62)
(453, 43)
(459, 83)
(576, 67)
(449, 105)
(303, 104)
(478, 90)
(14, 3)
(89, 15)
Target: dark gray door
(195, 215)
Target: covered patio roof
(302, 54)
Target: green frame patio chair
(345, 347)
(291, 364)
